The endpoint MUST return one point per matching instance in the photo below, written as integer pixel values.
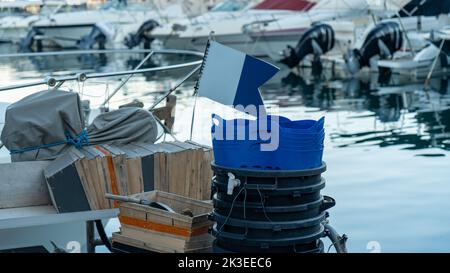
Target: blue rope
(78, 141)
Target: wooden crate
(79, 179)
(163, 231)
(117, 237)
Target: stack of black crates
(269, 211)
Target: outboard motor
(99, 35)
(318, 40)
(383, 40)
(27, 43)
(441, 42)
(135, 39)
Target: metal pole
(406, 35)
(101, 75)
(100, 51)
(175, 87)
(149, 55)
(90, 237)
(193, 115)
(427, 81)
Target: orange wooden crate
(166, 231)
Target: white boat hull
(240, 42)
(64, 36)
(273, 43)
(175, 42)
(13, 35)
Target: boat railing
(56, 82)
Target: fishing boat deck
(47, 215)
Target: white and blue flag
(231, 77)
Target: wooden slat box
(163, 231)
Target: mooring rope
(78, 141)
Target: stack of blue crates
(298, 145)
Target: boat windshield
(113, 5)
(342, 5)
(58, 7)
(122, 5)
(230, 6)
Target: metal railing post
(149, 55)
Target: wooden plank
(101, 181)
(175, 169)
(157, 239)
(197, 185)
(202, 155)
(96, 176)
(166, 231)
(147, 153)
(120, 238)
(119, 161)
(89, 178)
(147, 166)
(161, 242)
(178, 204)
(167, 113)
(103, 167)
(134, 170)
(199, 242)
(206, 172)
(207, 175)
(130, 211)
(161, 182)
(189, 169)
(109, 171)
(163, 224)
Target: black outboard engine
(96, 36)
(317, 40)
(27, 43)
(425, 8)
(383, 40)
(135, 39)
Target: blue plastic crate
(301, 144)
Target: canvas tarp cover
(122, 126)
(36, 123)
(41, 118)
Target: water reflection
(403, 113)
(388, 138)
(389, 99)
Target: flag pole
(193, 115)
(210, 38)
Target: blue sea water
(387, 140)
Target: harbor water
(387, 140)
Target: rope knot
(78, 141)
